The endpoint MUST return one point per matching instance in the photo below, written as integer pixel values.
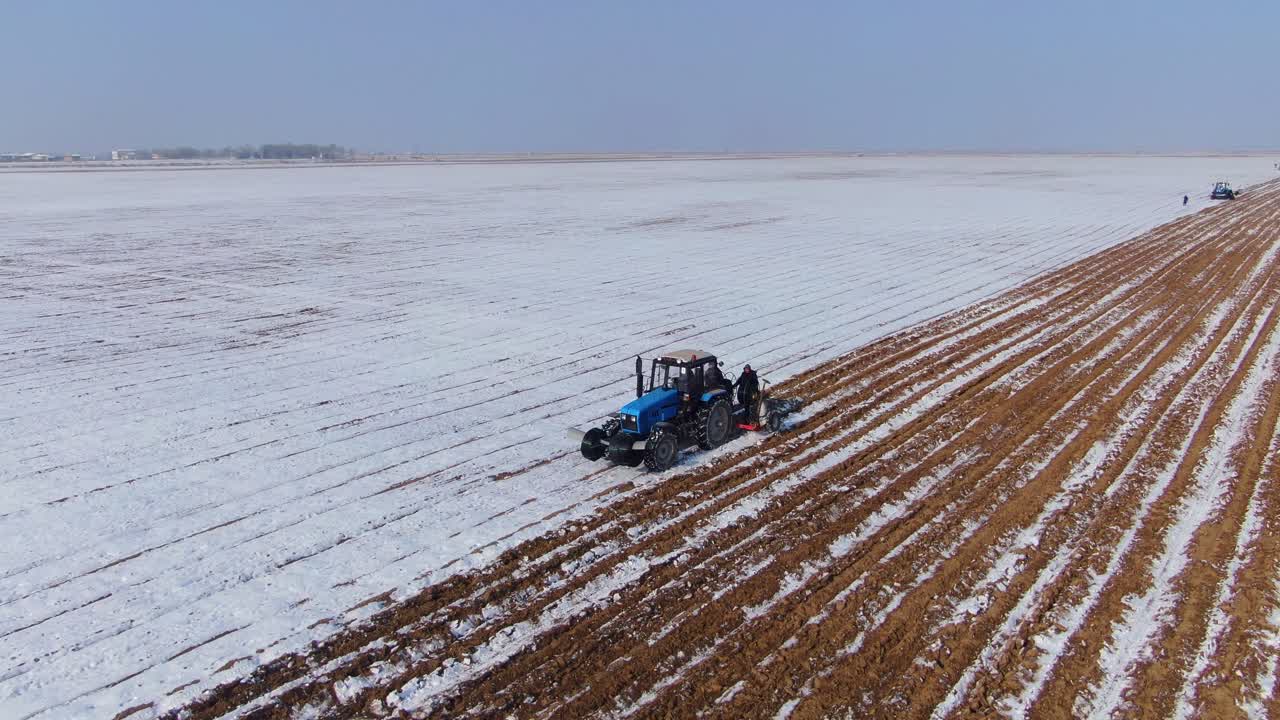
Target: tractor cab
(681, 370)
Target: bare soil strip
(1056, 503)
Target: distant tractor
(1222, 191)
(683, 403)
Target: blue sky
(600, 76)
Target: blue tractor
(1223, 191)
(684, 401)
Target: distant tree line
(274, 151)
(288, 151)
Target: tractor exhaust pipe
(639, 377)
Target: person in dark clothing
(748, 386)
(714, 378)
(1184, 200)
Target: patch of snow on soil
(1147, 613)
(1248, 534)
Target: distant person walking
(1184, 201)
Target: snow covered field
(244, 408)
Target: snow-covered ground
(240, 403)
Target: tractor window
(660, 376)
(688, 379)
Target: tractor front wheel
(661, 451)
(620, 451)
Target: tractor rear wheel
(661, 451)
(713, 424)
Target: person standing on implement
(748, 385)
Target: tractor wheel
(713, 424)
(661, 451)
(775, 422)
(593, 445)
(620, 451)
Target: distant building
(124, 154)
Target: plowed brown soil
(1059, 503)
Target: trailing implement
(684, 402)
